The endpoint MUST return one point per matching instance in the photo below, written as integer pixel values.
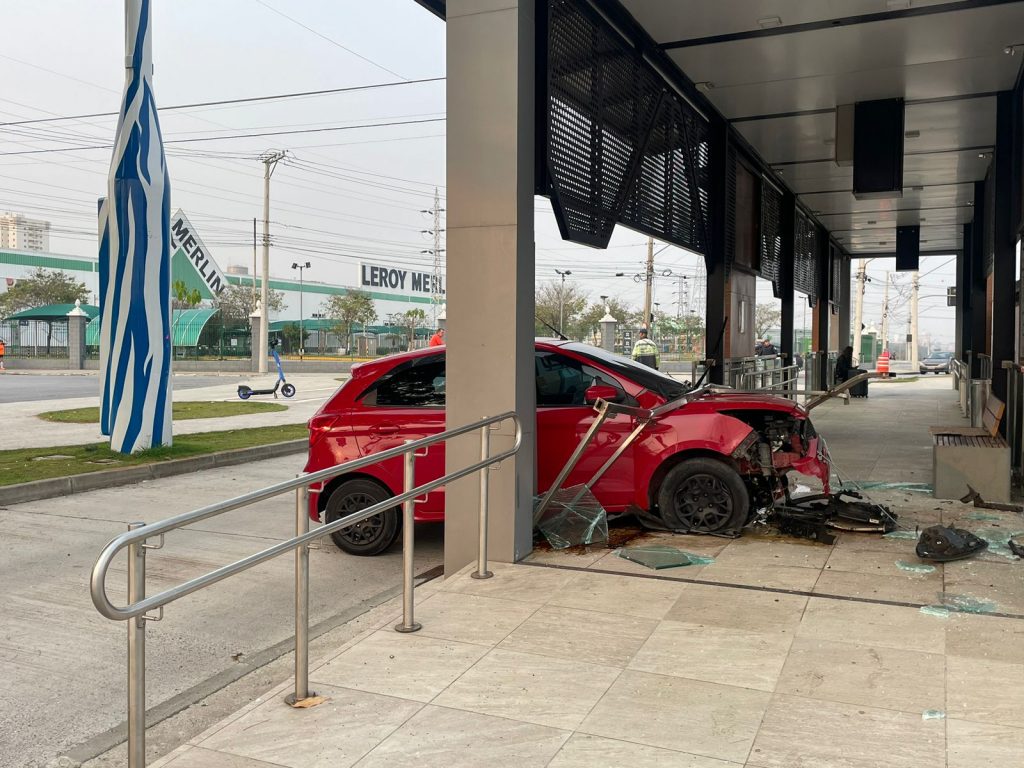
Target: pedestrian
(846, 370)
(3, 350)
(767, 348)
(437, 339)
(645, 351)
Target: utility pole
(913, 322)
(254, 263)
(649, 285)
(270, 161)
(885, 314)
(561, 300)
(302, 335)
(858, 311)
(436, 295)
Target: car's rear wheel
(367, 537)
(704, 496)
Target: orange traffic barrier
(883, 362)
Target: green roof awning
(52, 312)
(187, 325)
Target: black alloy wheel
(704, 496)
(367, 537)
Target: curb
(112, 478)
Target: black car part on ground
(1016, 547)
(943, 544)
(814, 517)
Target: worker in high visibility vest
(3, 350)
(645, 351)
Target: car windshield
(940, 355)
(648, 378)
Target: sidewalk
(780, 653)
(23, 428)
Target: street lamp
(561, 298)
(302, 337)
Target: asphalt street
(25, 388)
(63, 665)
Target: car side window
(420, 385)
(564, 380)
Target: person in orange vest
(437, 339)
(3, 350)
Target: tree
(184, 297)
(293, 336)
(353, 307)
(413, 318)
(237, 302)
(559, 303)
(41, 288)
(589, 323)
(766, 317)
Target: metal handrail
(139, 606)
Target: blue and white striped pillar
(135, 282)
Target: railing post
(301, 600)
(485, 452)
(136, 655)
(408, 547)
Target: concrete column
(820, 338)
(979, 294)
(717, 309)
(963, 277)
(490, 355)
(1004, 267)
(608, 324)
(77, 320)
(787, 220)
(845, 333)
(256, 323)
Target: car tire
(368, 537)
(704, 496)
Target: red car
(706, 466)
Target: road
(63, 665)
(23, 388)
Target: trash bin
(980, 390)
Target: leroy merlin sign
(186, 244)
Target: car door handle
(384, 429)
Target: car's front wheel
(367, 537)
(704, 496)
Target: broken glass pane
(903, 565)
(574, 516)
(658, 557)
(935, 610)
(909, 535)
(933, 714)
(966, 603)
(998, 540)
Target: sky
(351, 190)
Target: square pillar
(820, 322)
(963, 278)
(787, 220)
(1004, 267)
(490, 292)
(978, 281)
(845, 337)
(716, 316)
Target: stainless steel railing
(137, 611)
(1015, 415)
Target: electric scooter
(288, 390)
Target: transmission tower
(436, 288)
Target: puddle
(903, 565)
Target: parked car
(936, 362)
(706, 466)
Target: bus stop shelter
(780, 139)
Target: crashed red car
(706, 466)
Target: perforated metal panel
(805, 249)
(837, 264)
(771, 233)
(619, 147)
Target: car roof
(390, 361)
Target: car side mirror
(602, 392)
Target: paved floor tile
(645, 598)
(738, 608)
(575, 557)
(568, 633)
(402, 665)
(982, 745)
(471, 619)
(895, 586)
(879, 560)
(771, 576)
(525, 583)
(583, 751)
(334, 734)
(985, 637)
(871, 624)
(205, 758)
(611, 562)
(754, 551)
(700, 718)
(1002, 583)
(821, 734)
(985, 691)
(437, 737)
(714, 654)
(870, 676)
(533, 689)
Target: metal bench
(978, 457)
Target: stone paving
(781, 653)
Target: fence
(35, 338)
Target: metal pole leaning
(301, 600)
(485, 450)
(408, 547)
(136, 655)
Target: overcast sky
(347, 194)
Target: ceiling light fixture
(983, 155)
(911, 134)
(1011, 50)
(769, 21)
(705, 85)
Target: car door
(406, 403)
(563, 418)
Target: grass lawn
(26, 464)
(182, 411)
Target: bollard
(301, 600)
(136, 655)
(485, 451)
(408, 547)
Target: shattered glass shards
(903, 565)
(908, 535)
(966, 603)
(937, 611)
(933, 714)
(659, 557)
(911, 487)
(998, 540)
(573, 517)
(982, 516)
